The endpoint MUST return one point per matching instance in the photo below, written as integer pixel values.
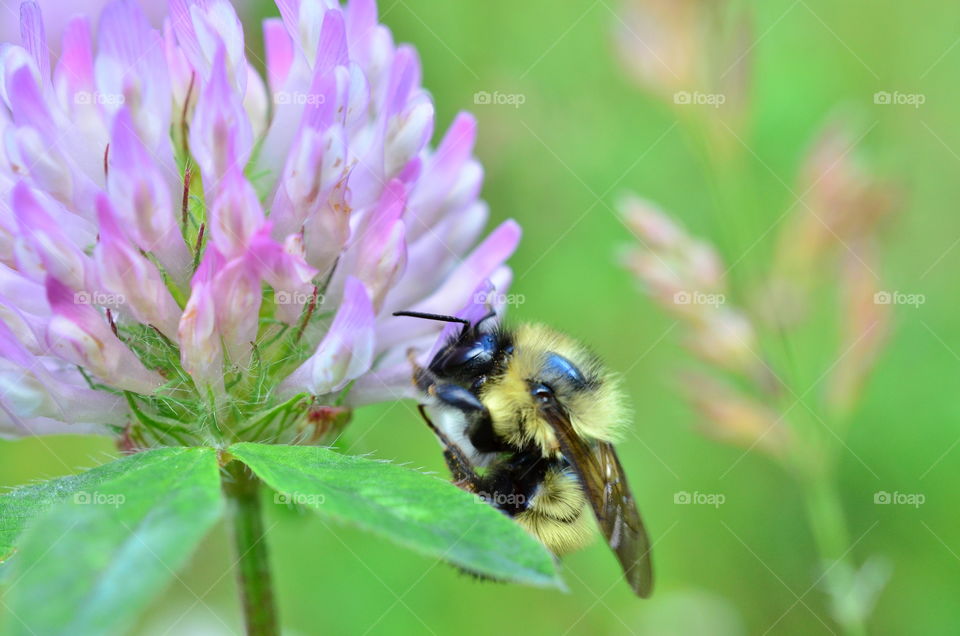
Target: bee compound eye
(541, 392)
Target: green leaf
(90, 564)
(418, 511)
(22, 504)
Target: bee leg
(458, 397)
(423, 379)
(464, 477)
(480, 427)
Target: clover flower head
(189, 250)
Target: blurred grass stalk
(696, 56)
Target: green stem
(256, 591)
(826, 518)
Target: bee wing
(609, 494)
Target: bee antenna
(438, 317)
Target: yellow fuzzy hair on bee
(558, 514)
(597, 410)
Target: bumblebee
(527, 417)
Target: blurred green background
(584, 134)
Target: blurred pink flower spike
(679, 49)
(731, 418)
(844, 203)
(686, 277)
(865, 329)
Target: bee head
(549, 369)
(472, 354)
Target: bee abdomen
(556, 513)
(559, 536)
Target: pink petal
(432, 256)
(237, 295)
(143, 200)
(78, 334)
(443, 169)
(382, 248)
(123, 27)
(48, 167)
(235, 215)
(39, 229)
(479, 265)
(356, 96)
(367, 178)
(75, 69)
(290, 14)
(284, 268)
(30, 390)
(220, 136)
(202, 28)
(201, 353)
(323, 99)
(27, 104)
(361, 20)
(279, 52)
(182, 74)
(316, 164)
(183, 27)
(12, 426)
(327, 230)
(404, 76)
(346, 351)
(125, 271)
(34, 37)
(408, 133)
(332, 47)
(391, 383)
(456, 290)
(131, 71)
(30, 294)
